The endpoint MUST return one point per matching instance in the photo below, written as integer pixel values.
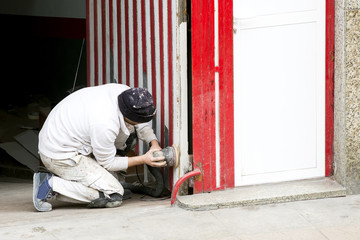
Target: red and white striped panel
(133, 42)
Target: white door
(279, 90)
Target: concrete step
(264, 194)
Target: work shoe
(42, 191)
(127, 194)
(114, 200)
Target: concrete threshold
(263, 194)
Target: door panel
(279, 89)
(246, 8)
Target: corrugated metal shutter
(132, 42)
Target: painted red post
(202, 38)
(203, 77)
(329, 95)
(226, 80)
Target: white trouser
(80, 178)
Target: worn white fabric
(89, 121)
(74, 192)
(80, 178)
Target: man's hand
(148, 157)
(152, 161)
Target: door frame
(213, 99)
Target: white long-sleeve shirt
(89, 121)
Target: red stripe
(111, 27)
(202, 39)
(143, 32)
(226, 94)
(197, 97)
(329, 98)
(118, 11)
(136, 75)
(127, 47)
(88, 41)
(103, 22)
(152, 33)
(161, 33)
(111, 24)
(96, 80)
(211, 93)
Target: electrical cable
(153, 199)
(138, 177)
(78, 64)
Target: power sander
(171, 154)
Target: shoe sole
(104, 203)
(36, 183)
(98, 203)
(113, 204)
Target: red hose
(180, 181)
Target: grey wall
(347, 95)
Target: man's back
(66, 131)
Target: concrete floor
(332, 218)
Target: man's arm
(146, 133)
(148, 159)
(103, 139)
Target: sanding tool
(171, 154)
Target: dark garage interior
(43, 60)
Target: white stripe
(217, 130)
(217, 107)
(148, 62)
(131, 42)
(92, 40)
(123, 44)
(157, 67)
(107, 37)
(183, 96)
(115, 39)
(216, 32)
(174, 73)
(166, 64)
(99, 27)
(148, 45)
(140, 56)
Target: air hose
(140, 188)
(171, 155)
